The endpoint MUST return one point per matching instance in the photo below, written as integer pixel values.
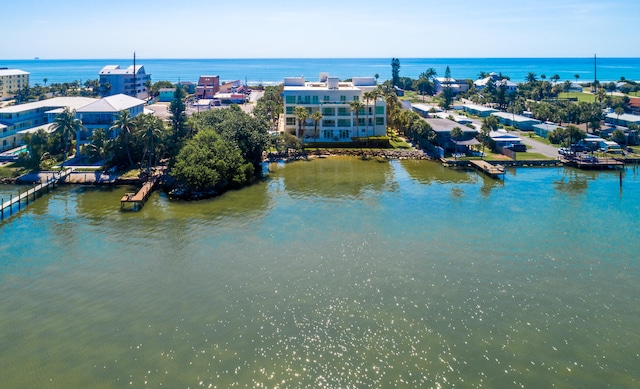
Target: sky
(77, 29)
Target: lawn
(586, 97)
(12, 171)
(527, 156)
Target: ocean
(273, 71)
(332, 273)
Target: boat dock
(494, 171)
(139, 198)
(33, 193)
(590, 162)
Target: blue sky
(316, 29)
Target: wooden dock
(32, 193)
(139, 198)
(494, 171)
(591, 163)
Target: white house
(332, 98)
(544, 129)
(11, 80)
(129, 81)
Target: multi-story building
(333, 99)
(129, 81)
(18, 120)
(11, 80)
(207, 87)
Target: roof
(479, 108)
(513, 117)
(56, 102)
(116, 69)
(625, 116)
(12, 72)
(446, 125)
(547, 126)
(46, 127)
(115, 103)
(503, 136)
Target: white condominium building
(11, 80)
(333, 99)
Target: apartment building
(130, 81)
(11, 80)
(333, 98)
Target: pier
(32, 193)
(140, 197)
(591, 163)
(494, 171)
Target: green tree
(316, 117)
(395, 71)
(618, 136)
(150, 130)
(302, 115)
(530, 78)
(178, 115)
(356, 107)
(67, 125)
(208, 162)
(124, 126)
(447, 90)
(101, 145)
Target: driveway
(538, 147)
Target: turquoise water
(331, 273)
(274, 70)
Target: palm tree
(375, 93)
(302, 115)
(356, 106)
(100, 145)
(45, 81)
(530, 78)
(367, 96)
(150, 130)
(316, 116)
(67, 125)
(576, 77)
(124, 124)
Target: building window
(356, 98)
(290, 100)
(291, 121)
(307, 99)
(328, 112)
(344, 133)
(379, 121)
(380, 110)
(328, 133)
(343, 98)
(328, 123)
(315, 99)
(326, 99)
(290, 110)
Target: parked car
(517, 148)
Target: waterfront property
(104, 112)
(493, 78)
(517, 121)
(425, 110)
(11, 80)
(457, 85)
(443, 127)
(333, 98)
(504, 139)
(18, 120)
(131, 81)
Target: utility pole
(135, 88)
